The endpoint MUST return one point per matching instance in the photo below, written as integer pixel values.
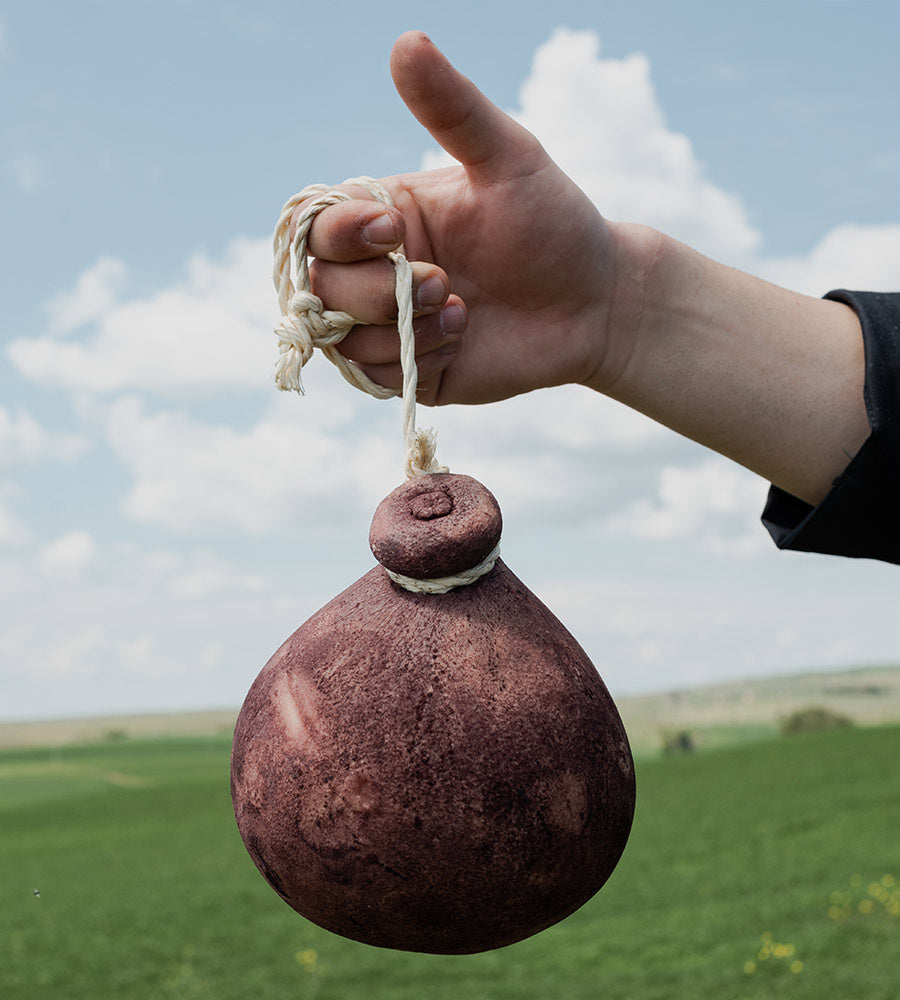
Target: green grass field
(764, 870)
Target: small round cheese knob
(435, 526)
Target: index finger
(355, 230)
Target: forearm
(768, 377)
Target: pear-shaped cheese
(433, 772)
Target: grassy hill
(741, 711)
(722, 714)
(762, 870)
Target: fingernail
(380, 231)
(453, 319)
(431, 292)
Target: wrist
(623, 300)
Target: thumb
(459, 117)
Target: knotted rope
(306, 324)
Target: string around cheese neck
(441, 584)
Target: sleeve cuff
(860, 515)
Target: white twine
(441, 584)
(306, 324)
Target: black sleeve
(860, 516)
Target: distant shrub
(116, 735)
(813, 720)
(681, 741)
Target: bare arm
(768, 377)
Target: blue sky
(166, 518)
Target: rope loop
(306, 324)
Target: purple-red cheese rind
(437, 773)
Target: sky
(167, 518)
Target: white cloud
(328, 458)
(77, 654)
(210, 332)
(136, 655)
(24, 441)
(568, 419)
(194, 574)
(68, 556)
(849, 256)
(601, 120)
(566, 454)
(13, 532)
(716, 502)
(299, 466)
(91, 655)
(208, 575)
(95, 627)
(93, 297)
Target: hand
(514, 269)
(523, 285)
